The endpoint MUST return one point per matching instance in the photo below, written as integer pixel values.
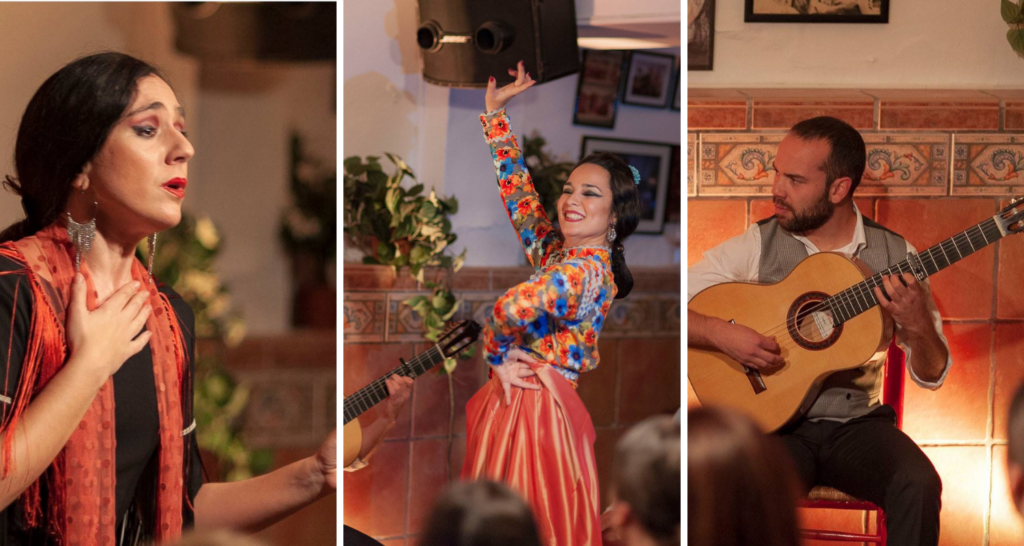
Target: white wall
(240, 130)
(926, 44)
(388, 106)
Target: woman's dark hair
(64, 126)
(625, 206)
(646, 476)
(480, 513)
(743, 486)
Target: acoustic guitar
(825, 318)
(454, 341)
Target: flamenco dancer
(98, 439)
(538, 437)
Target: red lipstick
(176, 186)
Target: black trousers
(869, 458)
(354, 537)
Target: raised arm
(522, 203)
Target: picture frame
(654, 162)
(700, 34)
(676, 96)
(816, 11)
(599, 88)
(649, 79)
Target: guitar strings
(363, 399)
(865, 289)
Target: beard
(811, 218)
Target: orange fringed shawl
(80, 483)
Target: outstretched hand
(496, 99)
(511, 373)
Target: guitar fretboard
(860, 297)
(370, 395)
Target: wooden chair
(830, 498)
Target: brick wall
(390, 499)
(935, 168)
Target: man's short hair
(847, 156)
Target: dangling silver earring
(82, 235)
(612, 235)
(152, 253)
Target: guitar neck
(861, 297)
(370, 395)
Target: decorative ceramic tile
(737, 163)
(906, 164)
(281, 408)
(669, 308)
(991, 164)
(404, 324)
(632, 317)
(479, 305)
(364, 317)
(691, 164)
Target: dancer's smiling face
(585, 206)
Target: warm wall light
(620, 43)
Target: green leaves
(1016, 38)
(401, 227)
(1011, 12)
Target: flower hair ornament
(636, 175)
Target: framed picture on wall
(675, 98)
(649, 80)
(816, 11)
(654, 161)
(597, 93)
(700, 34)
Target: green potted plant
(404, 228)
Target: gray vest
(852, 393)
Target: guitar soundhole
(812, 324)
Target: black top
(137, 422)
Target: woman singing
(538, 438)
(98, 439)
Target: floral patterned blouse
(559, 312)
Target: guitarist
(399, 389)
(847, 440)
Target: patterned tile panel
(632, 317)
(287, 408)
(364, 317)
(988, 164)
(669, 310)
(691, 164)
(404, 324)
(737, 163)
(906, 164)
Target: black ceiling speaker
(268, 31)
(465, 42)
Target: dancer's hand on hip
(496, 99)
(511, 373)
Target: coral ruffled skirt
(542, 445)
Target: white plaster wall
(957, 44)
(482, 223)
(239, 175)
(388, 107)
